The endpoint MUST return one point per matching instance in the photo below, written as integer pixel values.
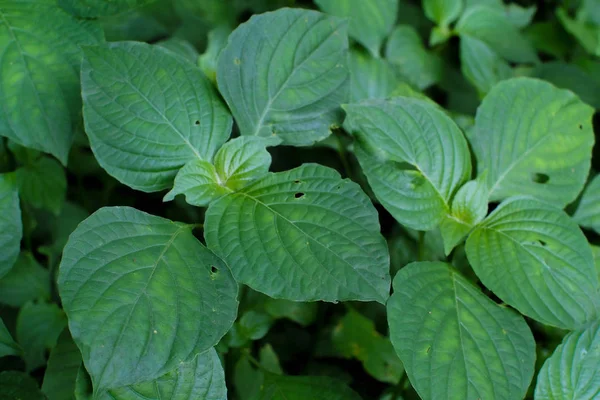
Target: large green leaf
(415, 159)
(20, 386)
(277, 387)
(535, 258)
(8, 347)
(199, 379)
(572, 371)
(454, 341)
(147, 112)
(43, 184)
(11, 227)
(492, 27)
(142, 295)
(370, 21)
(63, 366)
(371, 78)
(418, 66)
(40, 97)
(285, 74)
(481, 65)
(100, 8)
(26, 281)
(302, 235)
(533, 139)
(587, 213)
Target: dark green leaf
(26, 281)
(277, 387)
(8, 347)
(587, 213)
(15, 385)
(100, 8)
(11, 227)
(63, 366)
(43, 184)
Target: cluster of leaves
(189, 188)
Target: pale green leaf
(16, 385)
(8, 347)
(587, 213)
(43, 184)
(442, 12)
(142, 295)
(481, 65)
(11, 227)
(491, 26)
(38, 328)
(533, 139)
(416, 64)
(40, 100)
(100, 8)
(572, 370)
(416, 157)
(572, 77)
(535, 258)
(454, 341)
(63, 366)
(199, 182)
(277, 387)
(370, 21)
(147, 112)
(284, 73)
(26, 281)
(371, 78)
(217, 40)
(302, 235)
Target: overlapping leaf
(11, 227)
(26, 281)
(371, 78)
(481, 65)
(63, 366)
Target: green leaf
(38, 328)
(371, 78)
(278, 84)
(442, 12)
(43, 184)
(142, 295)
(254, 325)
(535, 258)
(8, 347)
(572, 77)
(315, 237)
(355, 336)
(302, 313)
(199, 182)
(40, 53)
(418, 157)
(469, 207)
(199, 379)
(63, 366)
(180, 47)
(11, 227)
(418, 66)
(278, 387)
(572, 370)
(454, 341)
(370, 21)
(588, 35)
(217, 40)
(481, 65)
(269, 359)
(587, 213)
(16, 385)
(490, 26)
(548, 37)
(147, 112)
(26, 281)
(100, 8)
(544, 135)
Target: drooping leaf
(40, 55)
(278, 387)
(100, 8)
(20, 386)
(454, 341)
(587, 213)
(442, 12)
(11, 227)
(481, 65)
(43, 184)
(371, 78)
(572, 77)
(63, 366)
(8, 347)
(544, 136)
(415, 158)
(199, 379)
(535, 258)
(147, 112)
(302, 235)
(142, 295)
(277, 83)
(572, 371)
(26, 281)
(418, 66)
(490, 26)
(370, 21)
(38, 328)
(217, 40)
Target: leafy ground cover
(281, 200)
